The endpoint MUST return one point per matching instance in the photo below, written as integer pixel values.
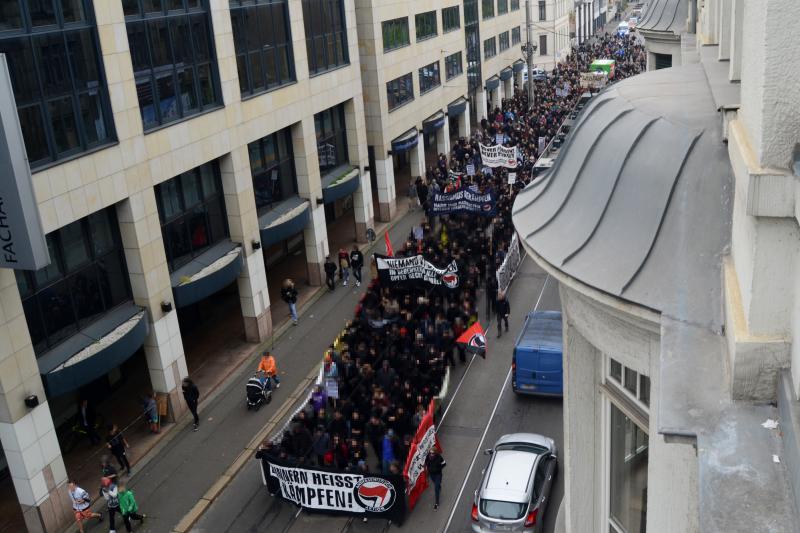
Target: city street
(481, 409)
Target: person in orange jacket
(269, 368)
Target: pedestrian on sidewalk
(289, 295)
(151, 411)
(81, 503)
(118, 445)
(356, 263)
(435, 463)
(270, 369)
(344, 266)
(330, 273)
(129, 507)
(192, 396)
(106, 470)
(111, 495)
(503, 309)
(86, 420)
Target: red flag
(389, 250)
(474, 340)
(415, 471)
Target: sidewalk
(173, 470)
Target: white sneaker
(277, 385)
(344, 284)
(358, 283)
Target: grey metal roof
(638, 202)
(665, 15)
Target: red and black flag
(474, 340)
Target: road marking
(488, 425)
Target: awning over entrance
(207, 273)
(95, 350)
(339, 183)
(492, 83)
(406, 141)
(282, 221)
(506, 74)
(518, 65)
(457, 107)
(433, 123)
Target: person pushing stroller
(267, 371)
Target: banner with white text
(463, 200)
(415, 269)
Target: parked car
(537, 363)
(623, 29)
(515, 489)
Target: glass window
(615, 370)
(514, 5)
(487, 9)
(502, 7)
(87, 276)
(516, 35)
(472, 42)
(57, 76)
(272, 167)
(429, 77)
(503, 38)
(331, 138)
(326, 35)
(425, 24)
(451, 19)
(644, 390)
(192, 213)
(173, 59)
(263, 40)
(628, 460)
(542, 10)
(399, 91)
(489, 48)
(395, 33)
(631, 379)
(502, 510)
(543, 45)
(453, 66)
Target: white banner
(417, 463)
(510, 265)
(499, 156)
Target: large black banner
(318, 489)
(463, 200)
(415, 269)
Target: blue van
(537, 366)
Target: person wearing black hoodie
(356, 263)
(330, 273)
(435, 463)
(503, 309)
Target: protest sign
(512, 178)
(414, 472)
(463, 200)
(317, 489)
(415, 269)
(499, 156)
(510, 265)
(499, 138)
(470, 170)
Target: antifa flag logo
(474, 340)
(450, 280)
(375, 494)
(477, 342)
(487, 207)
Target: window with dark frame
(489, 48)
(429, 77)
(400, 91)
(57, 76)
(87, 277)
(453, 66)
(644, 389)
(326, 35)
(514, 5)
(631, 380)
(487, 9)
(504, 43)
(395, 34)
(263, 41)
(516, 35)
(191, 208)
(331, 138)
(615, 369)
(272, 168)
(543, 45)
(174, 61)
(502, 7)
(542, 10)
(451, 19)
(425, 24)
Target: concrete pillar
(463, 123)
(518, 79)
(357, 152)
(140, 228)
(306, 164)
(443, 138)
(724, 18)
(418, 158)
(28, 436)
(480, 96)
(240, 205)
(498, 96)
(737, 31)
(508, 87)
(387, 195)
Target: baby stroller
(258, 392)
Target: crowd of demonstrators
(391, 359)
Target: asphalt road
(482, 408)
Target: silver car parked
(515, 489)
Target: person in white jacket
(81, 502)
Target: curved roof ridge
(585, 161)
(663, 212)
(651, 12)
(613, 189)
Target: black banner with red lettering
(336, 492)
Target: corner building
(176, 148)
